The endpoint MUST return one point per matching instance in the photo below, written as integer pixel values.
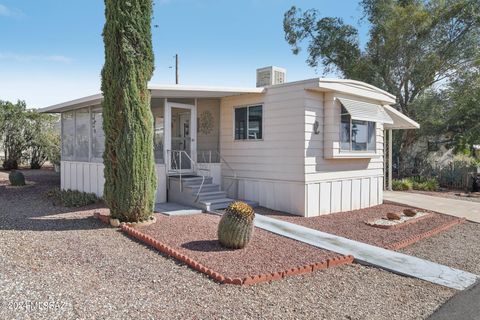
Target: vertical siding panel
(380, 191)
(94, 178)
(346, 195)
(365, 193)
(101, 180)
(356, 194)
(336, 205)
(86, 176)
(373, 191)
(325, 191)
(313, 190)
(73, 175)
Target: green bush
(72, 198)
(402, 185)
(425, 184)
(16, 178)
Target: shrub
(10, 164)
(72, 198)
(402, 185)
(16, 178)
(425, 184)
(236, 226)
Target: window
(82, 134)
(98, 136)
(356, 135)
(158, 132)
(248, 123)
(68, 134)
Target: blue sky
(51, 51)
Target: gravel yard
(87, 270)
(196, 237)
(352, 224)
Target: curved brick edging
(405, 243)
(250, 280)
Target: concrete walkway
(371, 255)
(458, 208)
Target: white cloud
(9, 12)
(34, 58)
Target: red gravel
(352, 224)
(196, 237)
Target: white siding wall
(88, 177)
(334, 185)
(270, 171)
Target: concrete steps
(191, 191)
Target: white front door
(180, 137)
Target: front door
(181, 151)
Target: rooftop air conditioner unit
(270, 76)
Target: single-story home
(307, 147)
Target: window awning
(400, 121)
(364, 111)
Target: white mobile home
(307, 147)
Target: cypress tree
(130, 179)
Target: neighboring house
(307, 147)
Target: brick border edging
(249, 280)
(409, 241)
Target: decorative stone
(115, 223)
(410, 212)
(393, 216)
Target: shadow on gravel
(28, 208)
(204, 246)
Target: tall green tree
(41, 138)
(413, 44)
(12, 137)
(130, 180)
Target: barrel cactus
(16, 178)
(236, 226)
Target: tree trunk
(130, 179)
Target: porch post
(390, 144)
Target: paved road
(458, 208)
(465, 305)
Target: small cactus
(236, 226)
(16, 178)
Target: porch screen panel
(68, 135)
(98, 136)
(82, 134)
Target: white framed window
(356, 135)
(248, 122)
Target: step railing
(208, 155)
(175, 167)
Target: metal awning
(364, 111)
(400, 121)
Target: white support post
(390, 157)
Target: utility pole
(176, 68)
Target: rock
(96, 214)
(410, 212)
(115, 223)
(393, 216)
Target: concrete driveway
(457, 208)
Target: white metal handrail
(179, 170)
